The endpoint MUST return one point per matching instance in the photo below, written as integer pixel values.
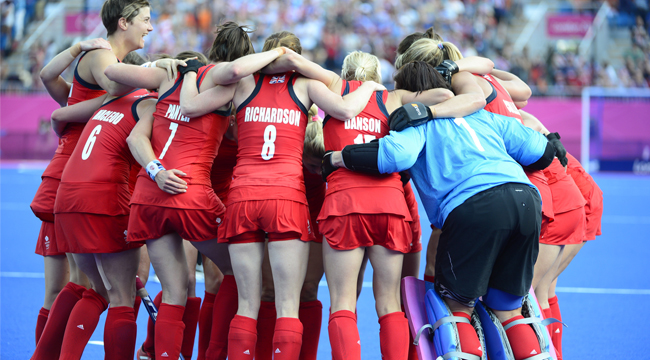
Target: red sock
(225, 303)
(430, 278)
(469, 342)
(169, 331)
(205, 324)
(149, 342)
(344, 336)
(81, 324)
(548, 313)
(522, 339)
(287, 339)
(41, 320)
(413, 352)
(394, 336)
(311, 317)
(242, 338)
(556, 329)
(265, 329)
(49, 345)
(190, 319)
(136, 306)
(120, 332)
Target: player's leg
(146, 350)
(168, 259)
(362, 274)
(311, 309)
(548, 261)
(119, 270)
(432, 250)
(411, 264)
(570, 251)
(193, 305)
(267, 315)
(226, 301)
(387, 271)
(143, 273)
(246, 259)
(411, 267)
(77, 275)
(289, 267)
(341, 270)
(85, 315)
(213, 279)
(57, 275)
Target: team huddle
(225, 157)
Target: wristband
(153, 168)
(146, 65)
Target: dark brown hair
(231, 43)
(408, 41)
(418, 76)
(283, 38)
(113, 10)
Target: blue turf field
(604, 294)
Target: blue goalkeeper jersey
(451, 160)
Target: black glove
(560, 151)
(192, 66)
(447, 69)
(326, 166)
(411, 114)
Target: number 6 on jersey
(268, 150)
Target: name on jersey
(365, 124)
(174, 113)
(272, 115)
(112, 117)
(511, 107)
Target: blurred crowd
(329, 30)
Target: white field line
(368, 284)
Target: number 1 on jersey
(173, 127)
(363, 139)
(472, 133)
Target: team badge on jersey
(277, 79)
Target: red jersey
(222, 168)
(81, 90)
(499, 101)
(271, 135)
(96, 178)
(189, 145)
(315, 190)
(380, 194)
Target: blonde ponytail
(361, 66)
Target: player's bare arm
(475, 64)
(134, 76)
(194, 104)
(139, 142)
(226, 73)
(293, 61)
(80, 113)
(517, 88)
(469, 97)
(337, 106)
(54, 83)
(92, 68)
